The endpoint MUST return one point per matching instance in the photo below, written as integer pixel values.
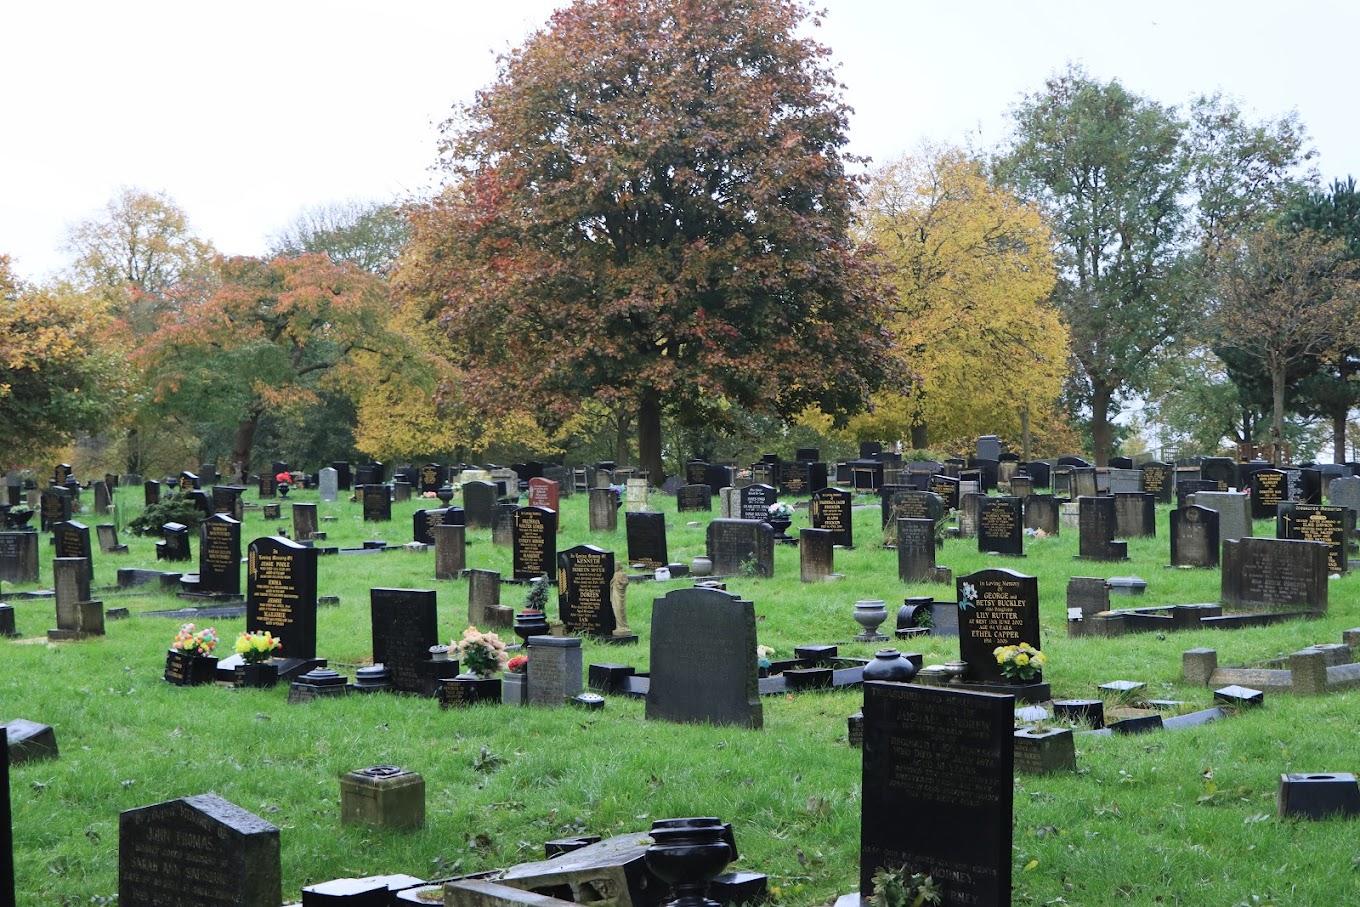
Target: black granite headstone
(344, 477)
(1135, 515)
(227, 499)
(174, 543)
(281, 594)
(1274, 574)
(647, 539)
(755, 501)
(831, 510)
(915, 550)
(197, 850)
(72, 539)
(219, 555)
(902, 502)
(54, 506)
(1096, 525)
(1221, 470)
(703, 659)
(6, 835)
(1333, 526)
(1194, 537)
(584, 600)
(377, 503)
(996, 608)
(731, 544)
(948, 755)
(1000, 527)
(405, 625)
(534, 542)
(692, 498)
(947, 488)
(479, 503)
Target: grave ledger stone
(937, 783)
(703, 659)
(197, 850)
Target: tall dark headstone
(647, 539)
(431, 477)
(731, 544)
(54, 506)
(1194, 537)
(915, 551)
(479, 504)
(1219, 469)
(227, 499)
(1135, 515)
(281, 594)
(305, 521)
(19, 557)
(831, 510)
(947, 488)
(1269, 488)
(1000, 527)
(72, 539)
(197, 850)
(534, 545)
(151, 493)
(174, 543)
(584, 600)
(1159, 480)
(377, 503)
(1095, 530)
(902, 502)
(1333, 526)
(102, 498)
(405, 625)
(930, 751)
(484, 591)
(756, 501)
(219, 555)
(703, 659)
(344, 477)
(996, 608)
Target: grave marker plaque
(947, 488)
(227, 499)
(1315, 523)
(693, 498)
(647, 539)
(281, 594)
(1000, 528)
(831, 510)
(949, 755)
(901, 502)
(1269, 488)
(584, 602)
(734, 543)
(996, 608)
(703, 659)
(19, 557)
(198, 850)
(377, 503)
(915, 550)
(54, 506)
(219, 555)
(534, 542)
(755, 501)
(1194, 537)
(405, 625)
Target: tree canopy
(650, 204)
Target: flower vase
(530, 623)
(259, 674)
(870, 614)
(781, 526)
(891, 665)
(689, 854)
(445, 494)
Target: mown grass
(1137, 823)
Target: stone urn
(701, 566)
(530, 623)
(870, 614)
(445, 494)
(891, 665)
(689, 854)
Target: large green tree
(650, 205)
(367, 234)
(1142, 198)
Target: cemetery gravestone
(1269, 487)
(636, 495)
(544, 493)
(1000, 529)
(219, 555)
(1135, 515)
(479, 504)
(151, 493)
(584, 601)
(899, 502)
(101, 498)
(1345, 492)
(227, 499)
(1096, 526)
(450, 551)
(1262, 575)
(647, 539)
(1041, 513)
(281, 594)
(947, 488)
(604, 510)
(831, 511)
(735, 544)
(304, 521)
(534, 542)
(431, 477)
(71, 539)
(328, 483)
(996, 608)
(554, 669)
(915, 550)
(503, 526)
(377, 503)
(693, 498)
(970, 503)
(1333, 526)
(1219, 469)
(6, 835)
(703, 659)
(405, 625)
(197, 850)
(269, 487)
(484, 591)
(54, 507)
(1084, 482)
(174, 543)
(1234, 512)
(755, 501)
(816, 555)
(1194, 537)
(19, 557)
(949, 755)
(1022, 486)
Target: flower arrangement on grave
(429, 494)
(284, 481)
(537, 599)
(781, 511)
(195, 642)
(1022, 662)
(481, 653)
(255, 648)
(902, 888)
(518, 665)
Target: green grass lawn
(1137, 824)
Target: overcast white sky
(247, 113)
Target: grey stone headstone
(479, 503)
(71, 582)
(729, 503)
(969, 504)
(915, 550)
(328, 481)
(304, 521)
(1041, 513)
(703, 659)
(197, 850)
(1344, 492)
(554, 669)
(732, 543)
(1096, 528)
(19, 557)
(1261, 575)
(604, 510)
(1234, 512)
(1125, 481)
(450, 551)
(816, 554)
(484, 591)
(1135, 515)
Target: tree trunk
(1024, 433)
(1340, 416)
(245, 440)
(919, 439)
(1277, 415)
(132, 453)
(1102, 438)
(622, 424)
(649, 434)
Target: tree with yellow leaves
(973, 269)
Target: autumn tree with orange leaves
(650, 205)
